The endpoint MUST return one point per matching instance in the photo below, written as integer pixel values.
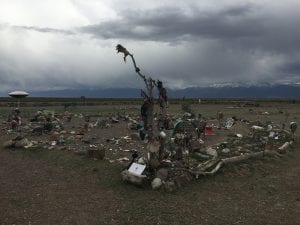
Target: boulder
(156, 183)
(162, 174)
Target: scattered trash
(229, 123)
(182, 147)
(208, 131)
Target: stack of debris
(186, 147)
(183, 154)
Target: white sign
(137, 168)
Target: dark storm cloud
(243, 26)
(243, 43)
(169, 24)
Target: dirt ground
(56, 187)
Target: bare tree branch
(123, 50)
(149, 82)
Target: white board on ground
(137, 168)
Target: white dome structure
(18, 95)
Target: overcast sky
(58, 44)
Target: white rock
(141, 160)
(269, 127)
(272, 134)
(254, 127)
(162, 134)
(212, 152)
(239, 135)
(156, 183)
(226, 150)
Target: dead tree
(217, 164)
(147, 95)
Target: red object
(208, 131)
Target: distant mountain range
(217, 91)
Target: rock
(272, 134)
(141, 160)
(226, 150)
(156, 183)
(269, 128)
(135, 136)
(29, 145)
(17, 143)
(53, 137)
(53, 143)
(162, 174)
(212, 152)
(154, 162)
(254, 127)
(114, 120)
(239, 135)
(162, 134)
(139, 180)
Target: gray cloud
(183, 46)
(170, 23)
(291, 68)
(45, 29)
(246, 26)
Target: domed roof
(18, 94)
